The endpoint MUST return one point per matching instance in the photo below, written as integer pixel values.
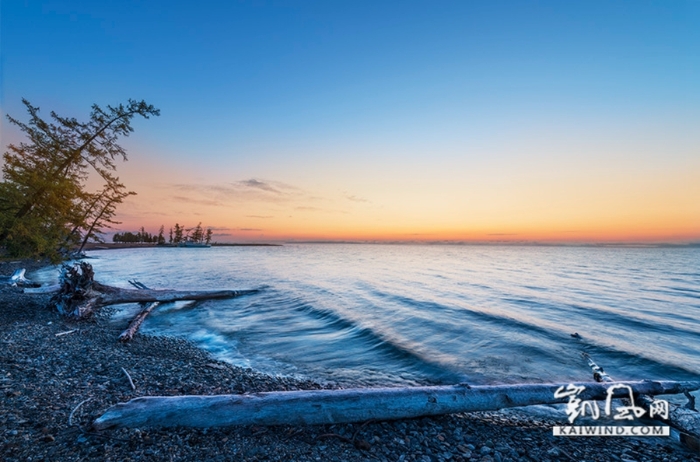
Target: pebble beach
(57, 376)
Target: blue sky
(378, 99)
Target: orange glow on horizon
(543, 203)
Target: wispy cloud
(356, 199)
(251, 190)
(191, 200)
(257, 184)
(259, 216)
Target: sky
(467, 121)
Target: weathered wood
(43, 289)
(135, 323)
(685, 420)
(349, 405)
(117, 295)
(131, 382)
(18, 280)
(79, 294)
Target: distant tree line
(178, 234)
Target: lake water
(360, 314)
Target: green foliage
(45, 209)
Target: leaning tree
(45, 207)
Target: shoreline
(135, 245)
(44, 376)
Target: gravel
(53, 386)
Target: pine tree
(44, 204)
(178, 234)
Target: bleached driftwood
(113, 295)
(80, 295)
(349, 405)
(18, 276)
(135, 323)
(685, 420)
(18, 280)
(43, 289)
(131, 382)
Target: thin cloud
(356, 199)
(259, 216)
(257, 184)
(191, 200)
(247, 191)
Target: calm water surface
(409, 314)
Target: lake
(365, 314)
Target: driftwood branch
(60, 334)
(75, 409)
(135, 323)
(131, 382)
(349, 405)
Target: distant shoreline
(136, 245)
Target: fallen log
(79, 294)
(313, 407)
(135, 323)
(116, 295)
(685, 420)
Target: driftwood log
(79, 295)
(684, 419)
(349, 405)
(135, 323)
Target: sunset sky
(478, 121)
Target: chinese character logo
(576, 407)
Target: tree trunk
(344, 406)
(115, 295)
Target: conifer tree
(178, 234)
(44, 204)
